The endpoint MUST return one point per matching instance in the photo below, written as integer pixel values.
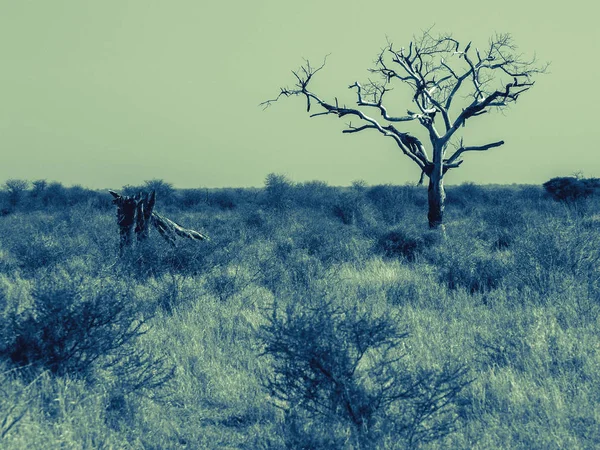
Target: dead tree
(126, 209)
(139, 210)
(450, 84)
(143, 214)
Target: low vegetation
(316, 317)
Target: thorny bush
(338, 373)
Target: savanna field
(315, 317)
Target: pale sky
(115, 92)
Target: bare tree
(450, 83)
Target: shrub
(55, 194)
(15, 189)
(278, 191)
(164, 190)
(314, 194)
(39, 186)
(554, 251)
(507, 216)
(570, 188)
(78, 194)
(74, 326)
(257, 219)
(15, 403)
(338, 376)
(529, 193)
(225, 282)
(352, 208)
(480, 274)
(503, 240)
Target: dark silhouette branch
(378, 104)
(406, 142)
(452, 162)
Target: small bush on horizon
(569, 189)
(278, 191)
(38, 187)
(315, 195)
(16, 190)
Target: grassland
(169, 347)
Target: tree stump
(139, 210)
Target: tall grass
(162, 349)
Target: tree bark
(145, 207)
(436, 194)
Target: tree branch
(496, 98)
(414, 151)
(438, 70)
(378, 104)
(452, 163)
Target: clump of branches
(339, 374)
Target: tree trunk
(143, 215)
(437, 198)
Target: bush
(352, 208)
(278, 191)
(529, 193)
(15, 189)
(54, 194)
(503, 240)
(552, 253)
(46, 250)
(39, 186)
(74, 326)
(314, 194)
(165, 192)
(338, 376)
(570, 188)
